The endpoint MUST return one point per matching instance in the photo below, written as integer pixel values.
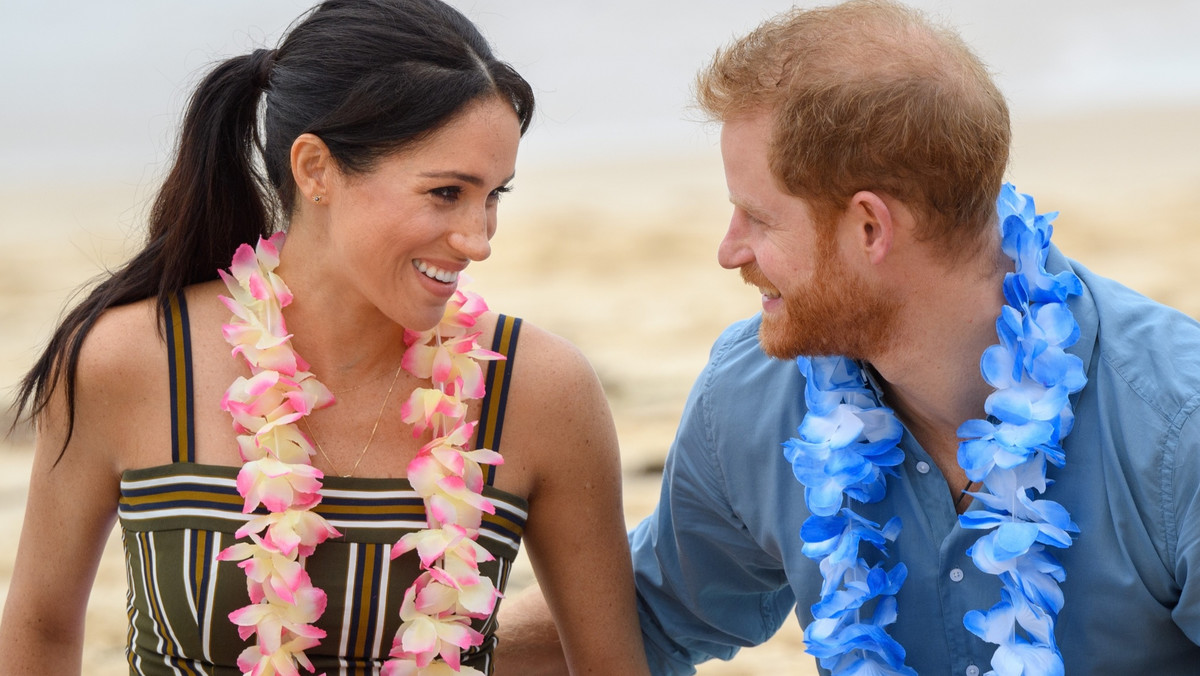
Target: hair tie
(261, 62)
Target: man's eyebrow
(748, 205)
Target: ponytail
(212, 200)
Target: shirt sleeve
(1183, 477)
(705, 587)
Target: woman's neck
(343, 337)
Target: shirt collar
(1083, 308)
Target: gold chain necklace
(359, 386)
(362, 454)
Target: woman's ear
(312, 165)
(873, 226)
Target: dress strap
(491, 418)
(179, 366)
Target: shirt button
(956, 575)
(923, 467)
(972, 670)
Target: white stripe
(510, 507)
(238, 518)
(135, 484)
(210, 594)
(131, 609)
(385, 494)
(399, 494)
(164, 624)
(489, 626)
(348, 600)
(188, 564)
(385, 592)
(190, 592)
(393, 496)
(226, 515)
(501, 581)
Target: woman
(346, 515)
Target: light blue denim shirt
(718, 564)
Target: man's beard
(838, 313)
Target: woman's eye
(447, 194)
(502, 190)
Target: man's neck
(930, 370)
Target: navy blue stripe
(169, 318)
(501, 530)
(361, 501)
(189, 504)
(356, 518)
(382, 555)
(128, 506)
(132, 500)
(497, 425)
(509, 362)
(179, 319)
(204, 559)
(190, 418)
(129, 493)
(509, 514)
(368, 518)
(356, 601)
(489, 390)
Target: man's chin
(783, 339)
(779, 340)
(789, 351)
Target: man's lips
(754, 277)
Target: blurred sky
(94, 90)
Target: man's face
(813, 303)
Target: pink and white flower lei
(438, 608)
(278, 474)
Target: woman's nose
(473, 238)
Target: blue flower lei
(848, 443)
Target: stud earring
(317, 198)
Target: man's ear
(871, 225)
(312, 166)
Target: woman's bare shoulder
(556, 407)
(550, 363)
(114, 379)
(122, 346)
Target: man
(864, 150)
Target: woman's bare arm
(529, 643)
(576, 534)
(72, 503)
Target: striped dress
(176, 518)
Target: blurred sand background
(616, 252)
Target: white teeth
(444, 276)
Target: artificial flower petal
(848, 443)
(277, 473)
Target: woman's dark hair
(368, 77)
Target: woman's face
(402, 232)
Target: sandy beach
(620, 259)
